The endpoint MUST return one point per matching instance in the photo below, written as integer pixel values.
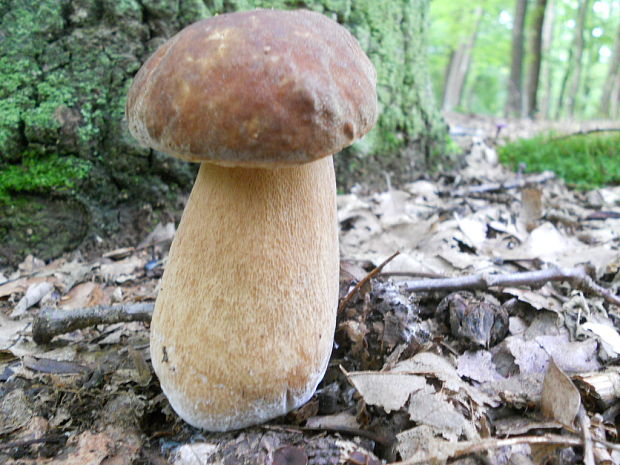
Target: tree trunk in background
(614, 111)
(612, 78)
(538, 19)
(572, 76)
(514, 105)
(584, 6)
(458, 67)
(549, 23)
(75, 177)
(590, 59)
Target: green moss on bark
(66, 65)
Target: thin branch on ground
(52, 322)
(364, 280)
(588, 446)
(585, 133)
(577, 276)
(520, 182)
(57, 438)
(472, 447)
(414, 274)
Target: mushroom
(244, 320)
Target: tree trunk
(65, 67)
(578, 62)
(514, 105)
(458, 67)
(612, 77)
(590, 59)
(538, 20)
(572, 76)
(615, 99)
(549, 23)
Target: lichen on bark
(66, 65)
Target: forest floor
(513, 357)
(464, 126)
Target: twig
(588, 447)
(51, 322)
(364, 280)
(471, 447)
(602, 215)
(415, 274)
(30, 442)
(585, 133)
(577, 276)
(501, 186)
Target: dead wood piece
(577, 276)
(588, 447)
(603, 215)
(599, 390)
(57, 438)
(52, 322)
(519, 182)
(463, 448)
(585, 133)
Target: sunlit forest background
(544, 59)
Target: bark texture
(458, 68)
(580, 30)
(612, 81)
(514, 104)
(572, 76)
(536, 38)
(66, 157)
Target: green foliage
(37, 174)
(486, 85)
(452, 24)
(63, 79)
(585, 161)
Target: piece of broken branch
(52, 322)
(460, 449)
(519, 182)
(577, 276)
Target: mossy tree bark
(66, 65)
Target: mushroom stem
(245, 317)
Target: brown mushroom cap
(258, 88)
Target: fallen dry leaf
(432, 409)
(427, 363)
(30, 264)
(33, 296)
(531, 207)
(194, 454)
(478, 365)
(607, 334)
(420, 445)
(161, 233)
(86, 294)
(386, 389)
(122, 270)
(560, 398)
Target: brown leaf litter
(518, 368)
